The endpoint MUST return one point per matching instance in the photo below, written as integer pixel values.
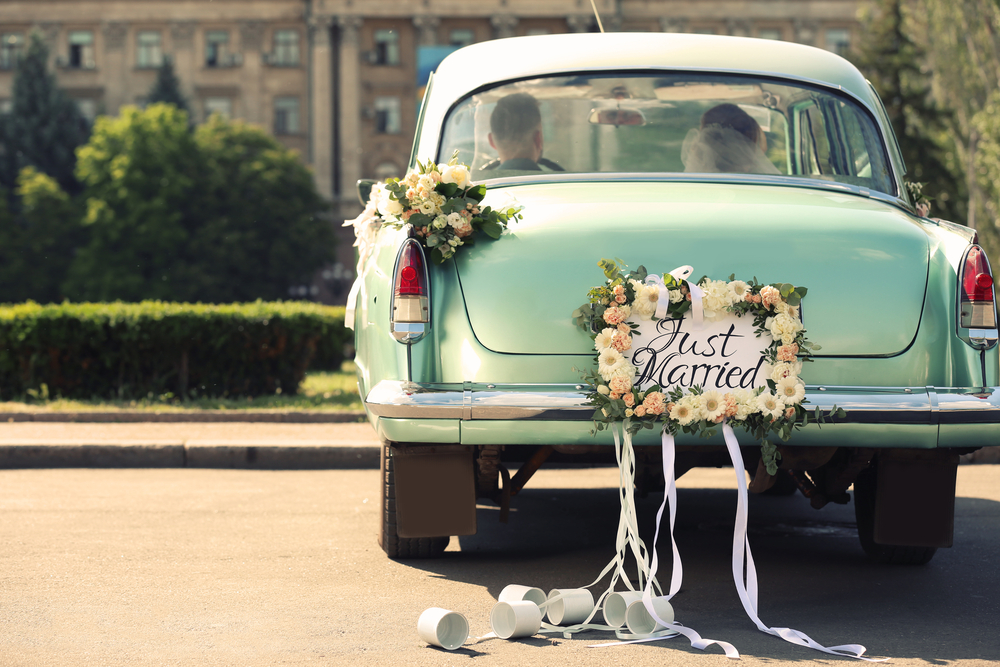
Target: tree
(895, 64)
(139, 172)
(264, 228)
(222, 214)
(167, 89)
(44, 126)
(37, 242)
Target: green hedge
(129, 350)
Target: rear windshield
(666, 124)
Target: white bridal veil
(720, 149)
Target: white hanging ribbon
(365, 226)
(669, 498)
(697, 308)
(741, 554)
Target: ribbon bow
(680, 273)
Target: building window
(386, 170)
(148, 52)
(386, 47)
(461, 37)
(286, 48)
(217, 48)
(11, 48)
(286, 115)
(387, 115)
(81, 49)
(838, 40)
(769, 33)
(220, 105)
(88, 108)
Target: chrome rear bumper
(566, 402)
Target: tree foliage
(44, 126)
(166, 88)
(222, 214)
(37, 239)
(896, 66)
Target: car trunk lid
(864, 262)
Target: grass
(333, 392)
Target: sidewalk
(205, 439)
(270, 441)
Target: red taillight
(410, 303)
(410, 274)
(977, 308)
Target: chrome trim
(564, 402)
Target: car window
(666, 124)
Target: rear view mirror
(365, 190)
(617, 117)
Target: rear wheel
(392, 544)
(865, 493)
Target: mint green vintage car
(735, 156)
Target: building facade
(340, 80)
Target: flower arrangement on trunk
(610, 314)
(443, 207)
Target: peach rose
(621, 342)
(654, 402)
(614, 396)
(787, 352)
(614, 316)
(789, 413)
(629, 399)
(625, 329)
(640, 411)
(769, 296)
(619, 385)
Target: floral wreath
(441, 205)
(776, 408)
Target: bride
(729, 141)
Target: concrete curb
(132, 416)
(191, 454)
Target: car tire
(865, 488)
(392, 544)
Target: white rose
(455, 219)
(676, 296)
(784, 369)
(425, 182)
(717, 299)
(440, 222)
(457, 174)
(784, 327)
(603, 389)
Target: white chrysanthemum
(784, 369)
(713, 404)
(746, 403)
(791, 390)
(603, 339)
(624, 370)
(738, 290)
(716, 300)
(684, 412)
(771, 405)
(783, 327)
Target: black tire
(392, 544)
(865, 488)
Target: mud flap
(915, 498)
(435, 490)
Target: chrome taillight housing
(977, 311)
(410, 314)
